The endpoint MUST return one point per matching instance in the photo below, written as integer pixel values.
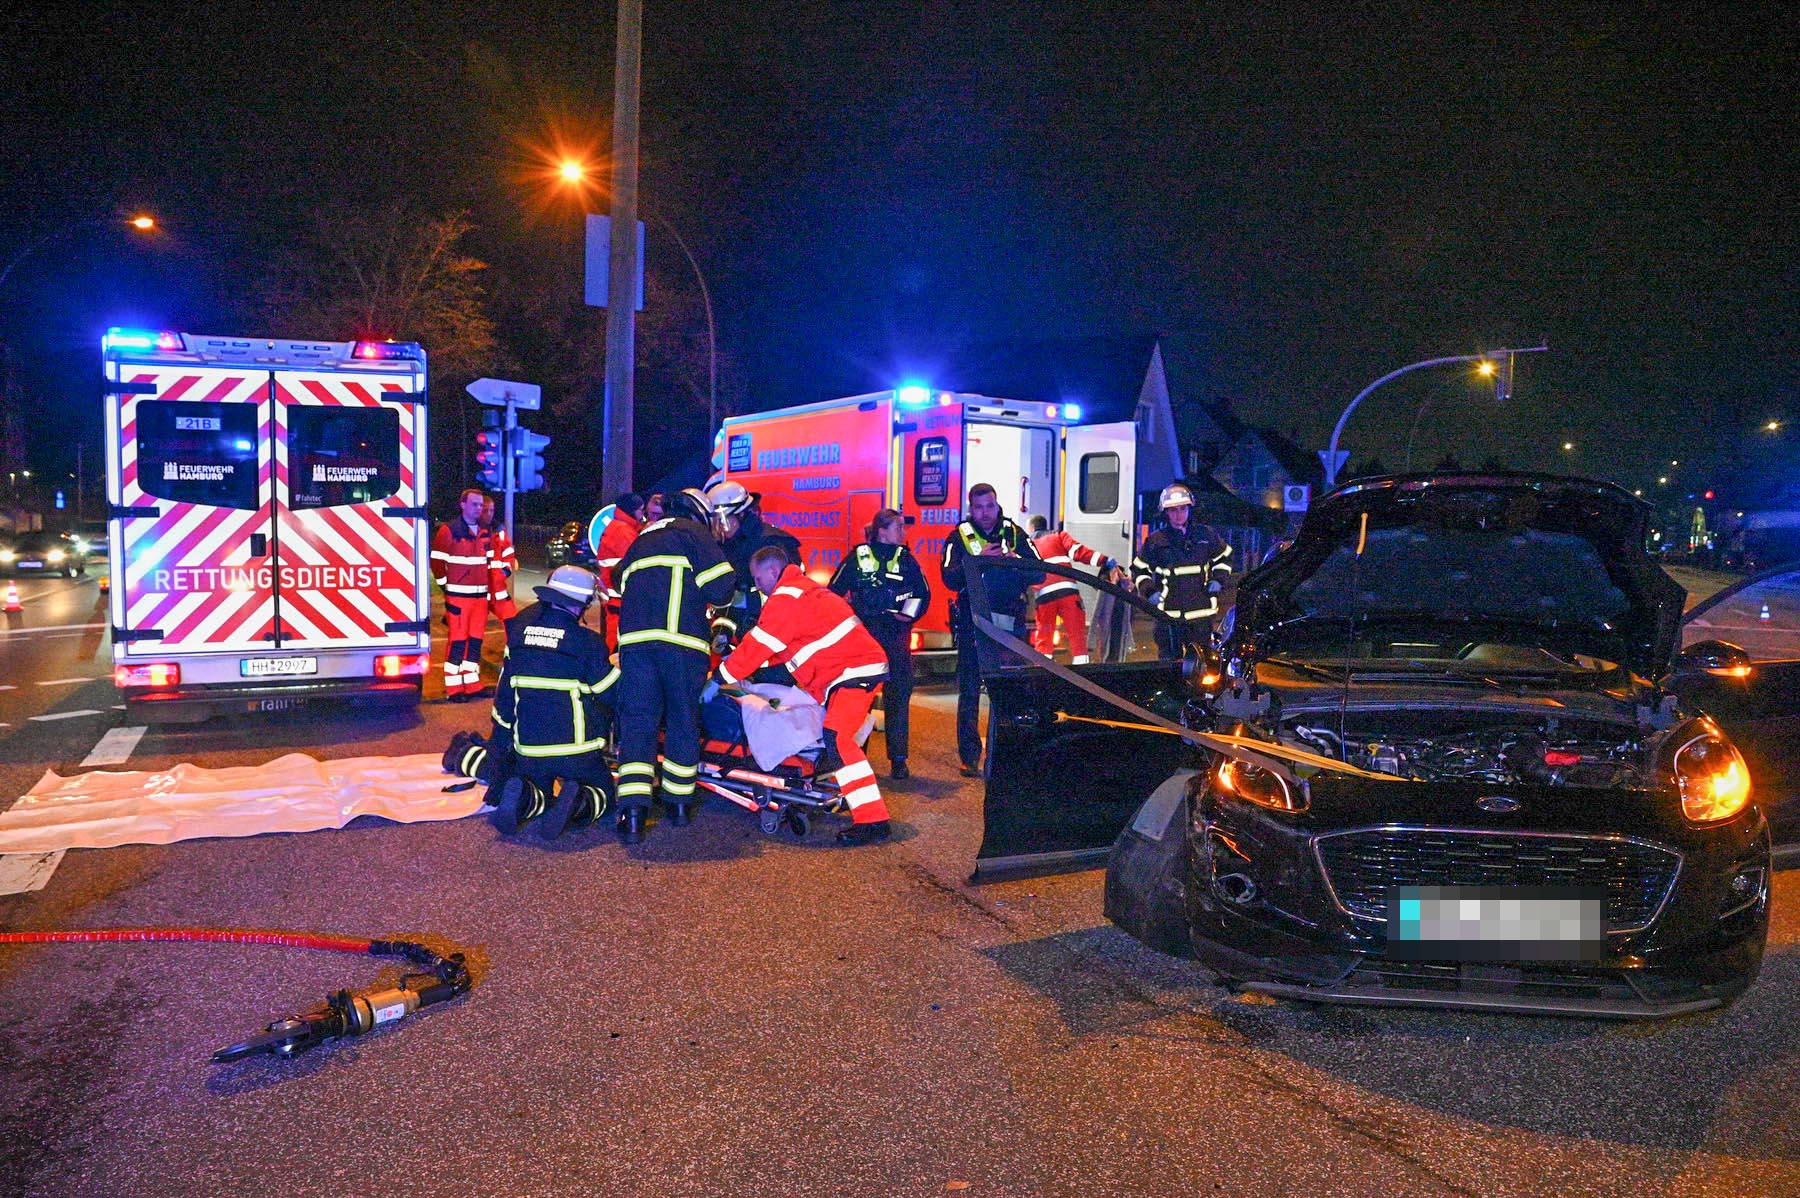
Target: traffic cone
(12, 597)
(105, 583)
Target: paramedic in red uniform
(459, 564)
(812, 631)
(630, 514)
(1058, 599)
(503, 562)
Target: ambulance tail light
(150, 675)
(400, 665)
(915, 641)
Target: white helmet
(729, 498)
(1175, 495)
(569, 586)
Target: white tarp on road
(294, 793)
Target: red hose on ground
(335, 944)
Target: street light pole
(1331, 456)
(712, 334)
(141, 223)
(621, 307)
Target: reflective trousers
(466, 618)
(846, 708)
(1066, 608)
(659, 688)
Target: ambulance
(267, 523)
(824, 469)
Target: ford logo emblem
(1498, 804)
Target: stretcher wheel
(798, 824)
(770, 819)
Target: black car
(1449, 754)
(27, 553)
(569, 547)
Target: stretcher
(786, 797)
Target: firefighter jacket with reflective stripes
(1182, 565)
(459, 558)
(753, 533)
(555, 695)
(617, 538)
(502, 562)
(670, 576)
(886, 589)
(812, 631)
(1060, 549)
(1006, 589)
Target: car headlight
(7, 555)
(54, 556)
(1712, 777)
(1258, 785)
(80, 545)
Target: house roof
(1103, 374)
(1299, 464)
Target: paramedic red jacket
(459, 560)
(1060, 549)
(813, 632)
(620, 532)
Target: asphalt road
(721, 1012)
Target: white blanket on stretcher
(294, 793)
(779, 721)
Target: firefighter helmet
(1175, 495)
(689, 503)
(569, 586)
(729, 498)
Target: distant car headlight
(1712, 777)
(7, 555)
(54, 556)
(1254, 784)
(81, 546)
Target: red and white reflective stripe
(768, 638)
(806, 654)
(856, 782)
(855, 672)
(791, 592)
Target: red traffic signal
(490, 457)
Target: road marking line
(41, 630)
(65, 715)
(116, 746)
(64, 681)
(4, 687)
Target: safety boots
(576, 805)
(518, 800)
(873, 832)
(631, 824)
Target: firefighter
(543, 759)
(1177, 569)
(1058, 598)
(832, 657)
(459, 564)
(503, 563)
(628, 515)
(887, 591)
(738, 518)
(986, 533)
(672, 573)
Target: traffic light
(490, 452)
(529, 446)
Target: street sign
(1331, 468)
(501, 392)
(1295, 497)
(599, 261)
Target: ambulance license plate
(277, 667)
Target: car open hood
(1558, 562)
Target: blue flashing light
(242, 445)
(141, 339)
(1071, 411)
(913, 395)
(385, 351)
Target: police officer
(737, 513)
(1178, 569)
(672, 573)
(986, 533)
(543, 758)
(887, 591)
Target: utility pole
(621, 317)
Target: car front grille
(1361, 867)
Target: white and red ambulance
(267, 528)
(824, 469)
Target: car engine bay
(1548, 752)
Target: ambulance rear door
(350, 531)
(926, 479)
(1099, 487)
(191, 508)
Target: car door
(1070, 754)
(1760, 710)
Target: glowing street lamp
(143, 223)
(572, 171)
(1773, 426)
(1568, 446)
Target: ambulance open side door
(1099, 487)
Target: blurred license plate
(1494, 923)
(277, 667)
(31, 565)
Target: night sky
(1300, 198)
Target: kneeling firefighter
(543, 759)
(813, 632)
